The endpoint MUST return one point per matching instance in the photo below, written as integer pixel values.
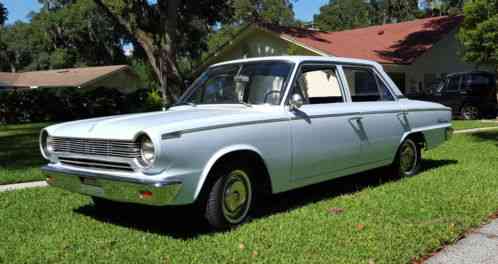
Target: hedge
(65, 104)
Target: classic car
(471, 95)
(247, 128)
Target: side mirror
(296, 101)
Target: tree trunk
(159, 49)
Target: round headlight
(46, 144)
(147, 151)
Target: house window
(399, 78)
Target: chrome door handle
(357, 118)
(402, 114)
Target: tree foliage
(343, 14)
(478, 34)
(278, 12)
(63, 34)
(167, 29)
(349, 14)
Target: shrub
(64, 104)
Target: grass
(383, 220)
(20, 156)
(469, 124)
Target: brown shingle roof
(75, 77)
(399, 43)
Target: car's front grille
(96, 147)
(89, 163)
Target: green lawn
(469, 124)
(20, 156)
(382, 221)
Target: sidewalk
(480, 246)
(25, 185)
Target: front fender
(217, 156)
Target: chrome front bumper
(113, 188)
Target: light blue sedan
(245, 128)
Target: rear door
(383, 119)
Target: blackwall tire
(230, 198)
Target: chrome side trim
(186, 131)
(178, 134)
(324, 116)
(171, 135)
(428, 109)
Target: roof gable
(399, 43)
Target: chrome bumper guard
(113, 188)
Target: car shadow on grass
(185, 222)
(486, 136)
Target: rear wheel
(408, 158)
(230, 198)
(470, 112)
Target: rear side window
(477, 81)
(365, 85)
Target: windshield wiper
(185, 103)
(246, 104)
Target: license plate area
(89, 181)
(90, 186)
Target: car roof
(299, 59)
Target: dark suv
(471, 95)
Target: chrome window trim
(297, 72)
(190, 90)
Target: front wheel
(230, 198)
(408, 158)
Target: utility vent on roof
(380, 32)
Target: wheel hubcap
(408, 157)
(236, 196)
(470, 112)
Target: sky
(19, 9)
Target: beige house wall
(124, 81)
(442, 59)
(258, 43)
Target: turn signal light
(145, 194)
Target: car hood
(127, 127)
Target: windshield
(249, 83)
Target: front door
(325, 138)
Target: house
(414, 53)
(120, 77)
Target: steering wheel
(269, 93)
